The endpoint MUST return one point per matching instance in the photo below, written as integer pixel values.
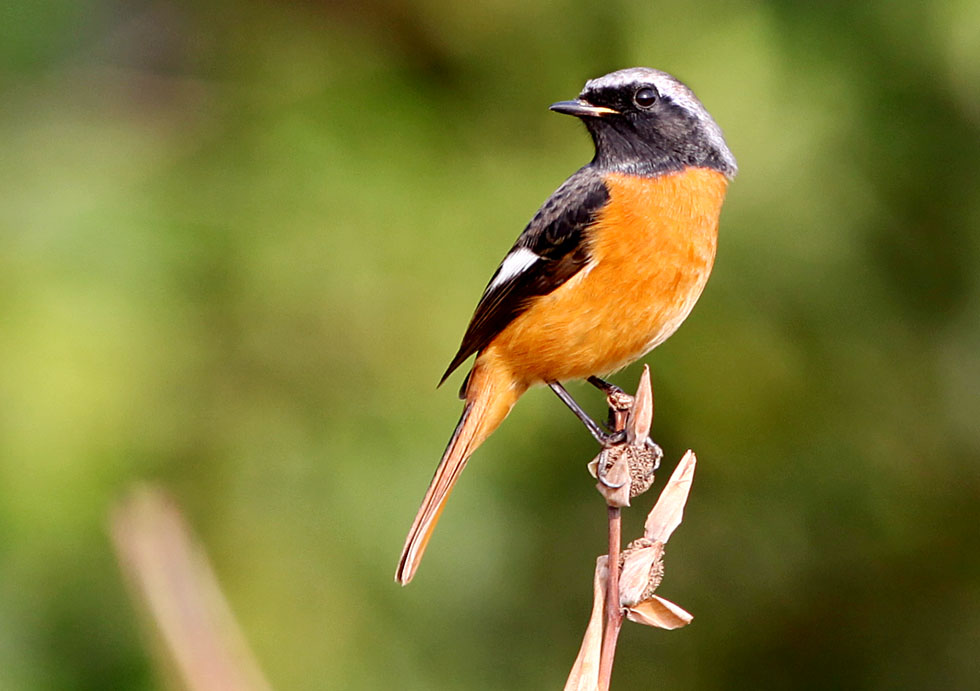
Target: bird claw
(601, 475)
(612, 469)
(613, 438)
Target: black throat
(671, 146)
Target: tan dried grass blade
(585, 672)
(172, 578)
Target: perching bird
(606, 270)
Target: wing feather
(558, 238)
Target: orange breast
(652, 249)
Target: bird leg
(604, 438)
(604, 386)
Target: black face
(657, 125)
(635, 99)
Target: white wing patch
(514, 264)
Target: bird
(606, 270)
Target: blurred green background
(239, 242)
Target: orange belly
(651, 251)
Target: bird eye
(645, 97)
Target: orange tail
(490, 394)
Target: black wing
(557, 237)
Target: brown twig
(614, 613)
(628, 591)
(620, 405)
(624, 469)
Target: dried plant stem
(614, 614)
(625, 469)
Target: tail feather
(490, 394)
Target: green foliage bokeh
(240, 241)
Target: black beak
(581, 109)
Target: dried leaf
(641, 417)
(660, 613)
(668, 512)
(585, 672)
(634, 579)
